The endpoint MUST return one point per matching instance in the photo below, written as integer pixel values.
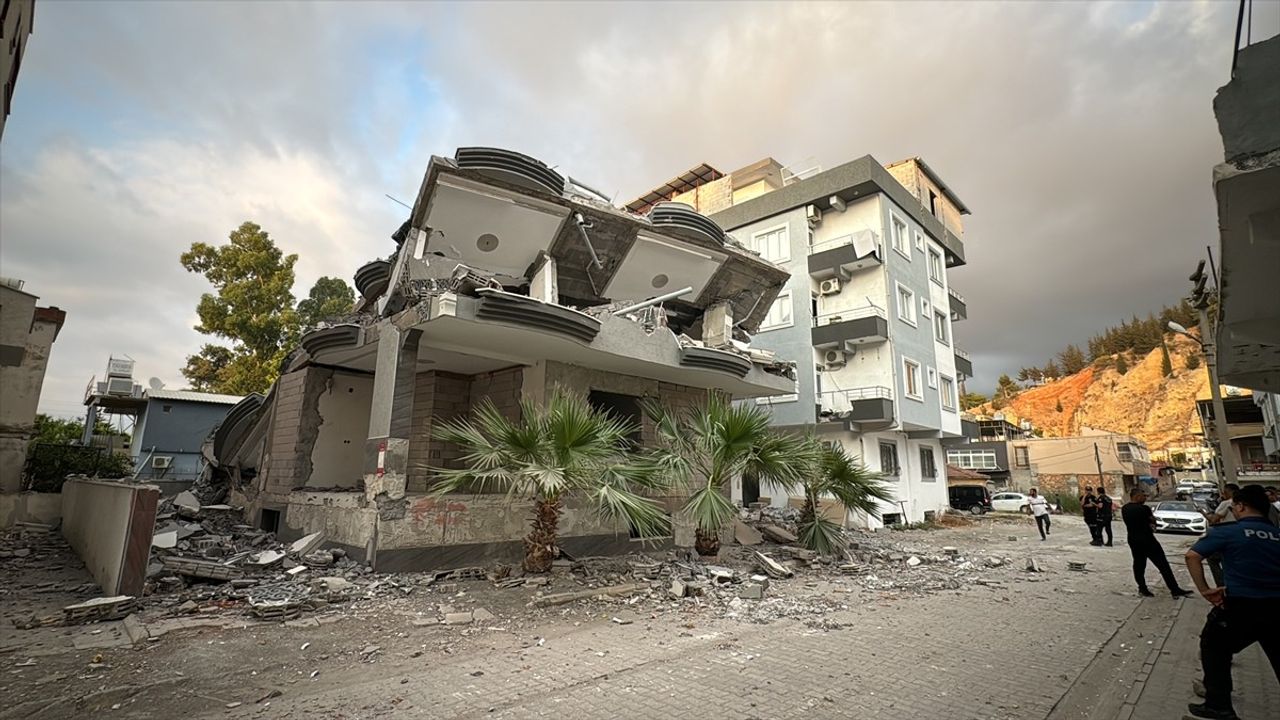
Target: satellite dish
(155, 384)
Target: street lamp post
(1209, 347)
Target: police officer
(1245, 608)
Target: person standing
(1105, 508)
(1221, 515)
(1273, 494)
(1140, 524)
(1089, 506)
(1039, 506)
(1244, 610)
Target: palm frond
(710, 509)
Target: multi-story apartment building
(867, 311)
(16, 17)
(1269, 403)
(1061, 465)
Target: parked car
(1186, 486)
(1010, 502)
(969, 498)
(1205, 500)
(1179, 516)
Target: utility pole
(1209, 344)
(1102, 479)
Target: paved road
(983, 652)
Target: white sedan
(1179, 516)
(1010, 502)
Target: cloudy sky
(1081, 136)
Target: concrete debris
(1076, 566)
(306, 544)
(914, 561)
(466, 573)
(481, 615)
(457, 618)
(187, 504)
(772, 567)
(777, 534)
(951, 551)
(751, 591)
(994, 562)
(266, 557)
(97, 609)
(207, 569)
(678, 589)
(165, 540)
(624, 618)
(568, 597)
(318, 558)
(744, 534)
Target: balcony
(858, 405)
(846, 329)
(964, 365)
(846, 254)
(959, 310)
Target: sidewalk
(1166, 691)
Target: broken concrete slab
(307, 543)
(202, 568)
(165, 540)
(777, 534)
(102, 608)
(457, 618)
(914, 561)
(744, 534)
(751, 591)
(266, 558)
(481, 615)
(610, 591)
(772, 567)
(187, 504)
(678, 589)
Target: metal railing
(838, 401)
(841, 242)
(963, 354)
(954, 294)
(835, 316)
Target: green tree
(1006, 390)
(971, 400)
(563, 449)
(50, 430)
(841, 476)
(1166, 365)
(252, 308)
(705, 449)
(329, 298)
(1052, 370)
(1072, 360)
(1122, 366)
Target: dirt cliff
(1143, 402)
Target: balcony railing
(846, 254)
(952, 292)
(835, 316)
(863, 405)
(963, 354)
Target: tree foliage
(252, 311)
(971, 400)
(50, 430)
(562, 449)
(1072, 359)
(329, 298)
(839, 475)
(704, 449)
(1006, 390)
(1193, 362)
(1122, 365)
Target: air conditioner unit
(812, 214)
(834, 359)
(161, 462)
(829, 287)
(119, 386)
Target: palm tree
(704, 449)
(562, 449)
(842, 476)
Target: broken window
(891, 519)
(620, 407)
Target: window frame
(1124, 452)
(920, 244)
(931, 377)
(892, 447)
(935, 263)
(929, 469)
(786, 244)
(910, 317)
(944, 336)
(1021, 456)
(908, 377)
(894, 223)
(965, 458)
(791, 319)
(947, 389)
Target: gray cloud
(1081, 136)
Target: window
(772, 244)
(899, 236)
(935, 266)
(779, 313)
(940, 328)
(1020, 456)
(932, 375)
(1125, 451)
(948, 391)
(889, 458)
(891, 519)
(906, 305)
(919, 242)
(624, 408)
(973, 459)
(166, 409)
(928, 469)
(911, 379)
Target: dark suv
(970, 498)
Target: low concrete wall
(109, 525)
(345, 518)
(33, 507)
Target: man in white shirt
(1039, 506)
(1221, 516)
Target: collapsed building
(509, 279)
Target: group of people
(1242, 551)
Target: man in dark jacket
(1140, 524)
(1104, 515)
(1089, 506)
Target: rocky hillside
(1143, 402)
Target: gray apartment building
(866, 314)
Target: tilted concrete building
(27, 333)
(508, 281)
(866, 311)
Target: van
(970, 498)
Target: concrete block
(779, 535)
(744, 534)
(751, 591)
